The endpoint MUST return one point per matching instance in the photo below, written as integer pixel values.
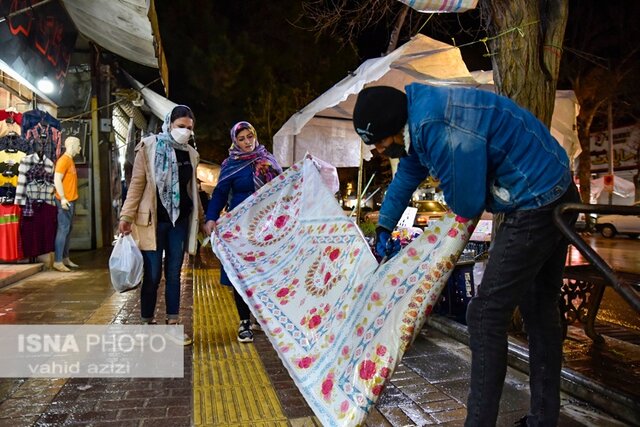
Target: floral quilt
(339, 322)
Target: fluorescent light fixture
(45, 85)
(11, 73)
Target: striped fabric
(440, 6)
(339, 323)
(10, 247)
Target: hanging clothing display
(33, 117)
(10, 122)
(10, 247)
(28, 215)
(33, 168)
(43, 132)
(38, 231)
(338, 321)
(35, 192)
(11, 114)
(14, 141)
(9, 173)
(9, 165)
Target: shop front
(57, 80)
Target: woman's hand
(203, 230)
(210, 227)
(124, 227)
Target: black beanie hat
(380, 111)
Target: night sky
(258, 61)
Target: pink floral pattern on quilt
(339, 323)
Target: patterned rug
(339, 323)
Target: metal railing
(627, 290)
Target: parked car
(427, 210)
(581, 222)
(610, 225)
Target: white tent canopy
(624, 191)
(324, 128)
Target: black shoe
(244, 331)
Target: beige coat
(140, 206)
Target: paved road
(621, 253)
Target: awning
(127, 28)
(441, 6)
(158, 104)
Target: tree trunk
(584, 159)
(585, 119)
(636, 177)
(527, 46)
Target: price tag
(408, 217)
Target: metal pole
(26, 9)
(364, 192)
(95, 169)
(359, 195)
(293, 152)
(611, 153)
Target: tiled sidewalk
(230, 384)
(85, 296)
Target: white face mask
(181, 135)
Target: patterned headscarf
(166, 170)
(264, 165)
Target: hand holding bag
(125, 264)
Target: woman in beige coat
(162, 210)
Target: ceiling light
(45, 85)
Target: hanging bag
(125, 264)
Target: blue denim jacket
(489, 154)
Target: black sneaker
(244, 331)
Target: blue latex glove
(383, 242)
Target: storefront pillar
(97, 205)
(105, 146)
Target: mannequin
(66, 182)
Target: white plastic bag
(125, 264)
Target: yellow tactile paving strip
(230, 385)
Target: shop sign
(79, 129)
(626, 145)
(38, 41)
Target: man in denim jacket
(489, 154)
